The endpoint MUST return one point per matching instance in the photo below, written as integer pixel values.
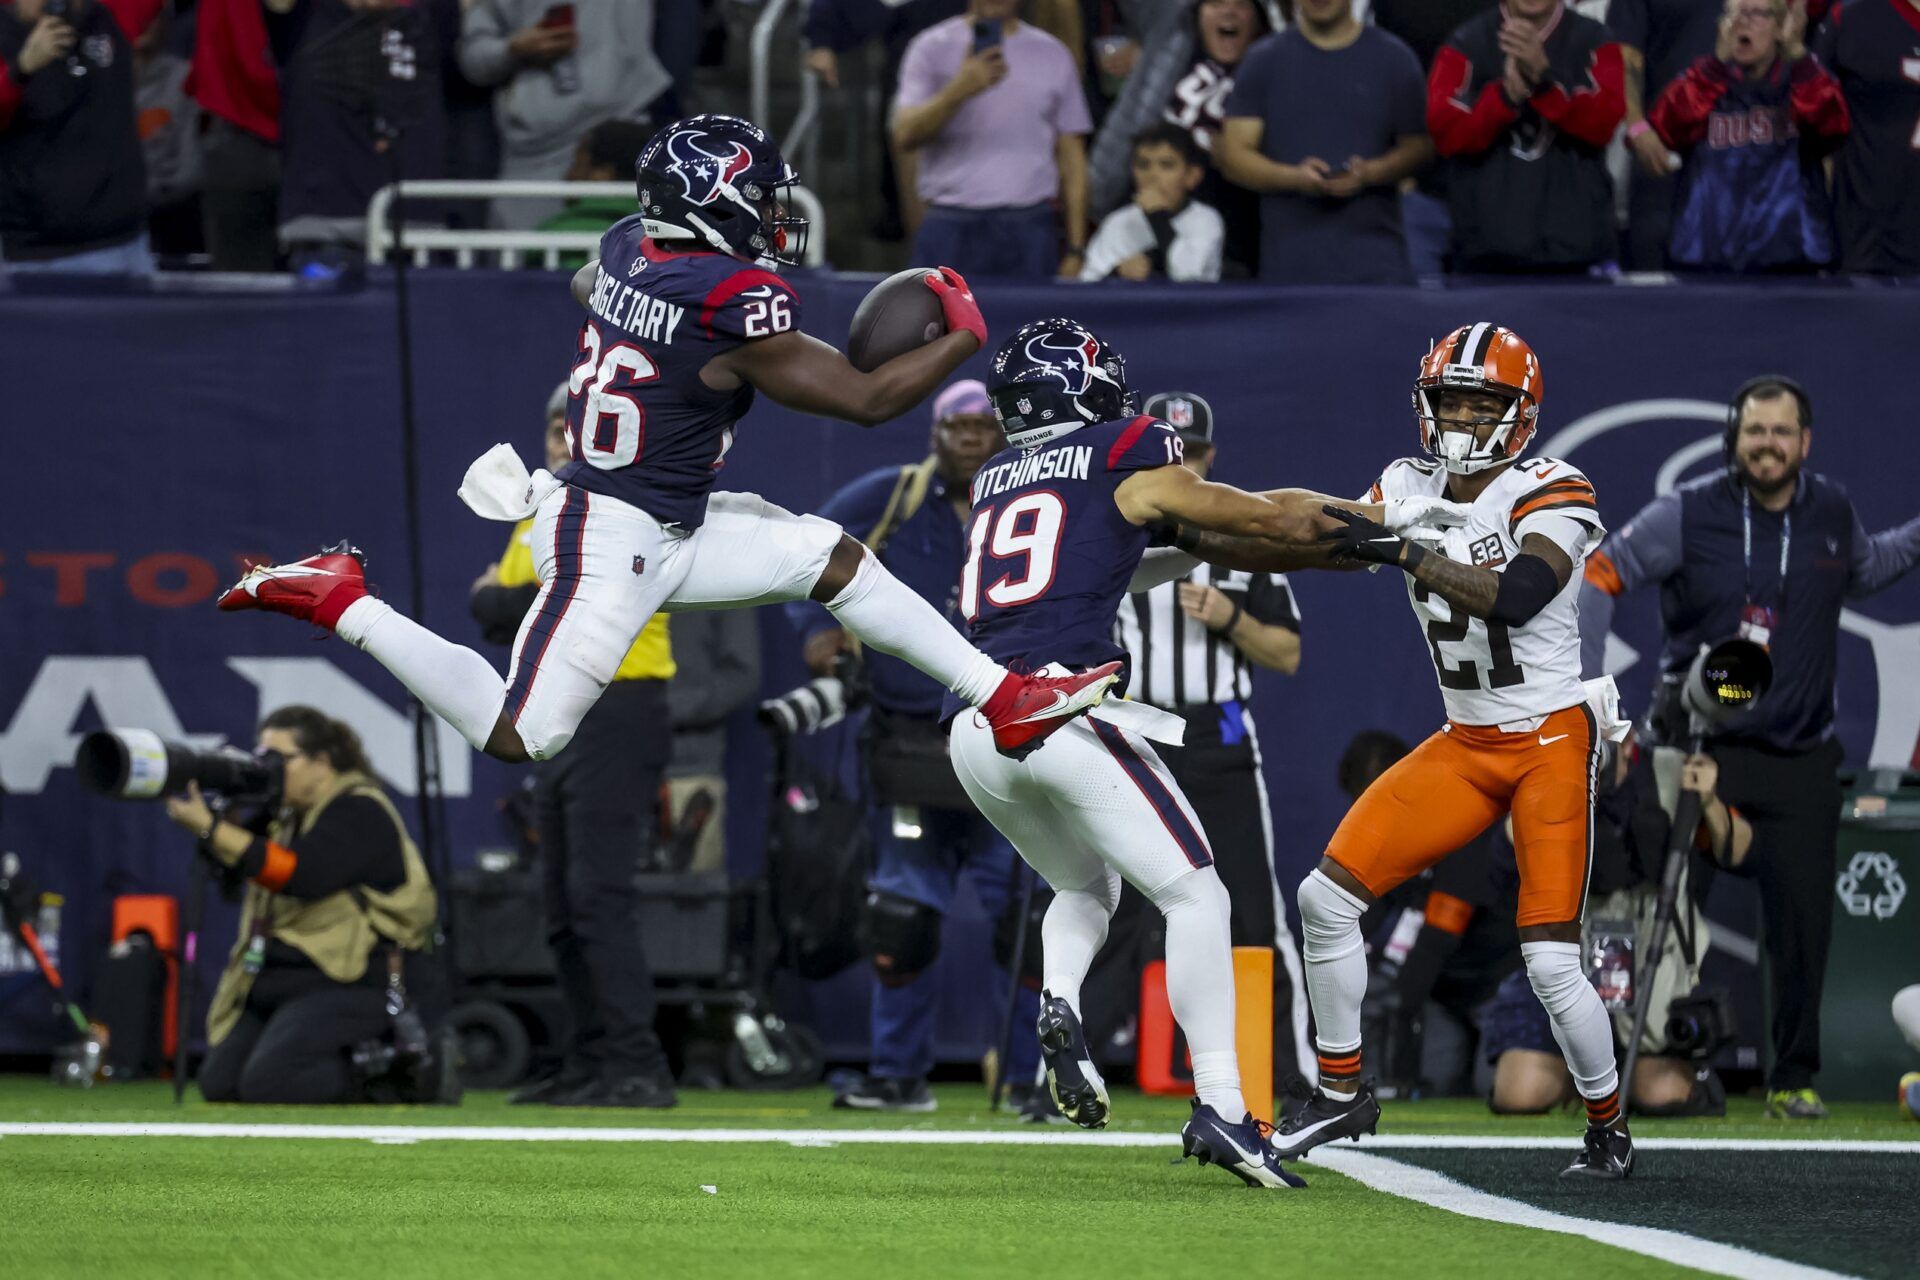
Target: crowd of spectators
(1310, 141)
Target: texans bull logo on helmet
(702, 172)
(1069, 357)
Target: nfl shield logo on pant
(639, 565)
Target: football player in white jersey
(1497, 600)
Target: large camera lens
(129, 764)
(1727, 679)
(138, 764)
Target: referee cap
(1185, 412)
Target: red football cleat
(1025, 709)
(317, 589)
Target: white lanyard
(1786, 540)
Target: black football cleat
(1606, 1156)
(1324, 1118)
(1241, 1149)
(1072, 1078)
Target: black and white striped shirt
(1177, 662)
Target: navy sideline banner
(153, 443)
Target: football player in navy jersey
(684, 326)
(1059, 528)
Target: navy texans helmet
(721, 182)
(1056, 376)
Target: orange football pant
(1454, 785)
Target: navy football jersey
(1873, 47)
(641, 425)
(1048, 553)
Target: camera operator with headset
(1768, 552)
(337, 895)
(926, 832)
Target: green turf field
(801, 1190)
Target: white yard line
(1426, 1187)
(401, 1133)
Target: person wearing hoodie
(561, 68)
(1753, 121)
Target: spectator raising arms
(1184, 76)
(72, 184)
(562, 68)
(1873, 47)
(1325, 120)
(1753, 122)
(1522, 102)
(1165, 232)
(994, 111)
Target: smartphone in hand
(986, 34)
(557, 15)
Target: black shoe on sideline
(628, 1091)
(1323, 1119)
(553, 1086)
(887, 1093)
(1607, 1156)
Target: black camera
(1700, 1023)
(138, 764)
(820, 703)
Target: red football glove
(956, 302)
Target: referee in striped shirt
(1194, 645)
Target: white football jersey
(1491, 674)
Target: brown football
(900, 314)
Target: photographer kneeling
(336, 893)
(1687, 1025)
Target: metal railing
(515, 247)
(799, 142)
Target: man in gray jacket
(561, 68)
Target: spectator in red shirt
(236, 84)
(1753, 121)
(73, 192)
(1521, 104)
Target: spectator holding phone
(1753, 122)
(1324, 121)
(562, 68)
(72, 183)
(993, 111)
(1165, 233)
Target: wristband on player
(1233, 619)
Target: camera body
(1700, 1023)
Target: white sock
(1072, 933)
(1200, 984)
(1580, 1023)
(457, 684)
(885, 613)
(1336, 960)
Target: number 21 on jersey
(1026, 530)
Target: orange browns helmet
(1478, 357)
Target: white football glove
(1405, 514)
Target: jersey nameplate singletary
(625, 307)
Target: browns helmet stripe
(1473, 348)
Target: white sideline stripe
(1429, 1188)
(397, 1133)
